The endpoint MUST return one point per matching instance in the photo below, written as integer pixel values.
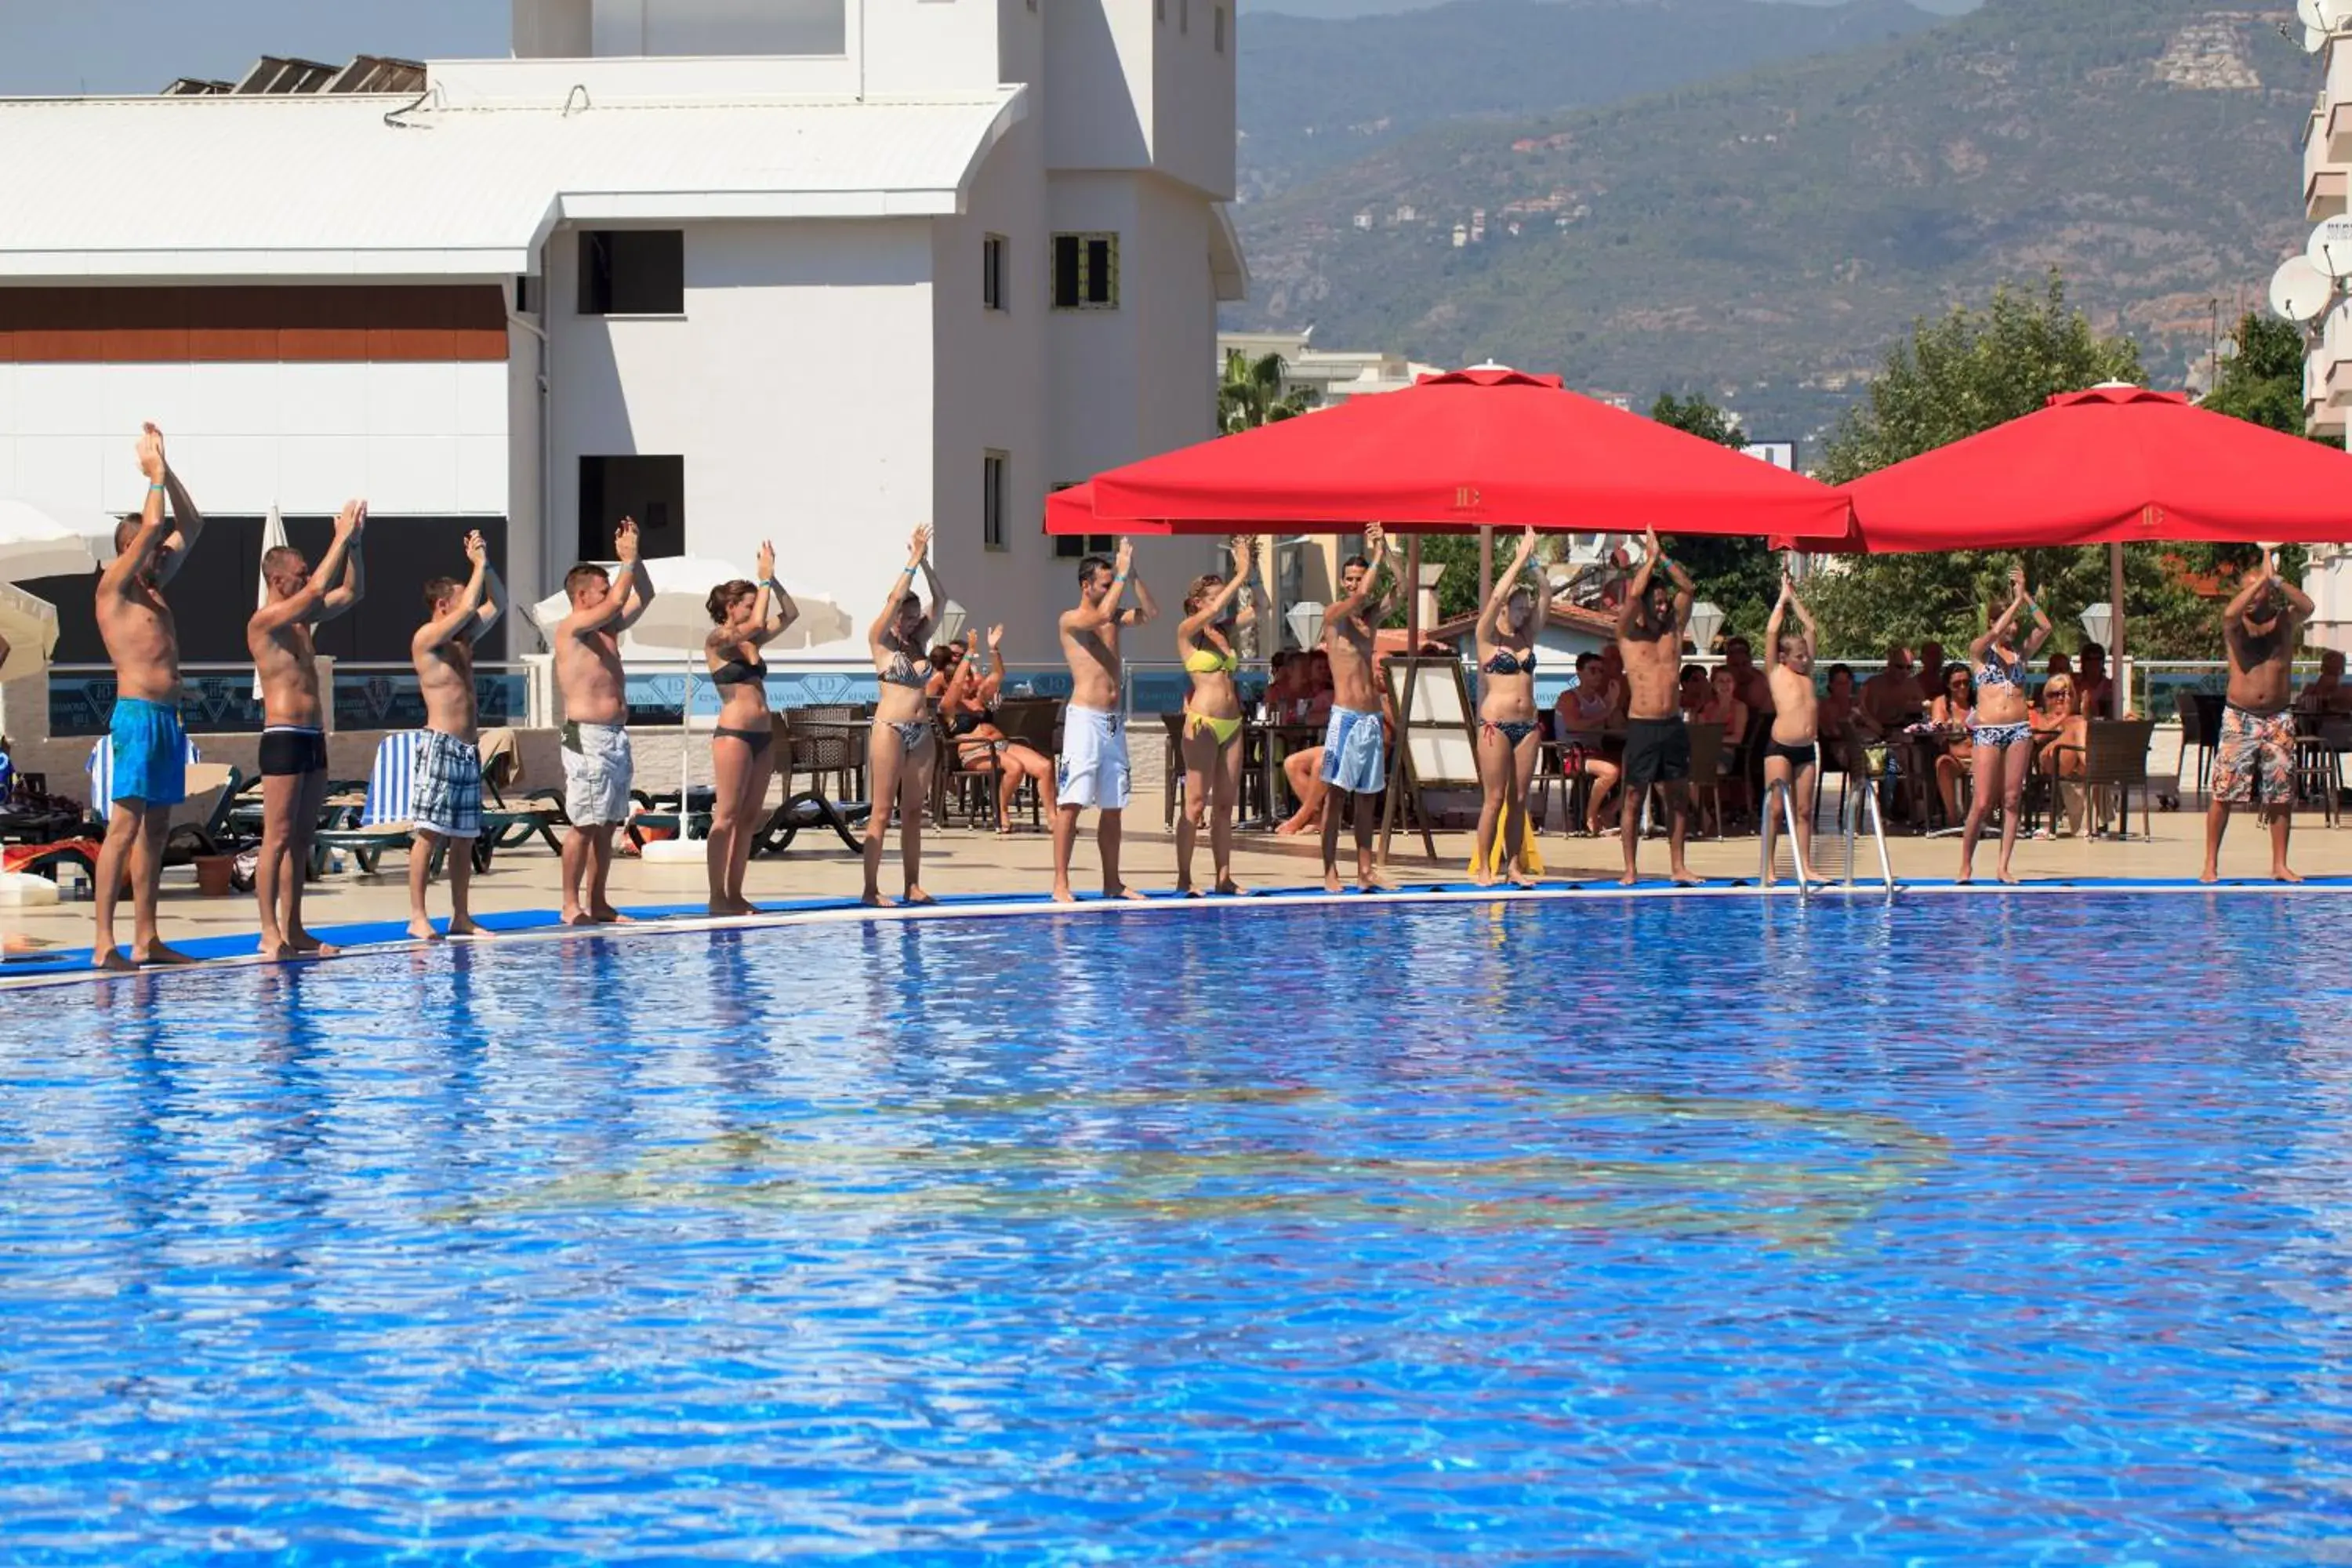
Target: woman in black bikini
(1509, 743)
(901, 750)
(742, 747)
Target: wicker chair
(2114, 758)
(1707, 749)
(2196, 734)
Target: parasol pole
(1389, 798)
(1486, 562)
(2119, 678)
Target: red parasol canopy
(2107, 466)
(1467, 449)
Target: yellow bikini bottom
(1223, 730)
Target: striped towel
(100, 769)
(391, 781)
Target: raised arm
(1146, 609)
(775, 609)
(493, 604)
(188, 522)
(313, 603)
(1094, 617)
(1685, 590)
(1780, 617)
(2041, 628)
(1636, 592)
(918, 544)
(1376, 550)
(130, 563)
(2297, 601)
(459, 617)
(987, 687)
(1490, 614)
(1207, 616)
(347, 592)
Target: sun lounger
(810, 810)
(385, 823)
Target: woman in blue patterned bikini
(1508, 744)
(2002, 727)
(902, 751)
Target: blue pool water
(1985, 1231)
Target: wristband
(155, 487)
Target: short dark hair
(279, 556)
(1584, 658)
(1838, 670)
(581, 573)
(1090, 565)
(722, 598)
(1363, 561)
(438, 589)
(1690, 670)
(2090, 649)
(126, 531)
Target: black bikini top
(1506, 662)
(736, 672)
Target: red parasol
(2108, 465)
(1472, 449)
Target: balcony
(2324, 179)
(2327, 377)
(2332, 119)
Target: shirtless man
(2255, 761)
(293, 728)
(151, 749)
(1355, 763)
(446, 805)
(1650, 626)
(597, 766)
(1092, 770)
(1791, 762)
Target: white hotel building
(2327, 367)
(814, 271)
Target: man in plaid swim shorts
(2253, 762)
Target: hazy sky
(137, 45)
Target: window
(1070, 546)
(650, 489)
(1183, 15)
(1221, 29)
(1085, 271)
(633, 272)
(991, 273)
(991, 499)
(526, 295)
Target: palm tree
(1252, 395)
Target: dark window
(1221, 29)
(526, 294)
(1070, 546)
(1085, 271)
(992, 272)
(991, 499)
(632, 272)
(651, 490)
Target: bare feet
(573, 917)
(157, 956)
(1689, 878)
(915, 896)
(422, 930)
(1231, 888)
(1481, 878)
(872, 900)
(2280, 874)
(607, 915)
(2008, 877)
(1630, 879)
(111, 958)
(1965, 877)
(2209, 876)
(309, 946)
(1121, 890)
(1371, 885)
(1331, 882)
(1186, 890)
(1521, 879)
(1062, 894)
(468, 928)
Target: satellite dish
(2330, 247)
(2226, 350)
(2299, 291)
(2310, 13)
(2314, 41)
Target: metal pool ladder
(1850, 814)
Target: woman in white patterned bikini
(2001, 730)
(902, 751)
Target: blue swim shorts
(150, 753)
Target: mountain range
(1763, 237)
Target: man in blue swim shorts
(1355, 760)
(149, 750)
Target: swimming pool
(1680, 1230)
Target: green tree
(1738, 575)
(1961, 373)
(1251, 394)
(2263, 382)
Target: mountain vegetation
(1764, 240)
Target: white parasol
(38, 540)
(30, 627)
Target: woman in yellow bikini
(1212, 716)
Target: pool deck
(978, 873)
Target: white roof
(265, 186)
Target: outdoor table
(1266, 735)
